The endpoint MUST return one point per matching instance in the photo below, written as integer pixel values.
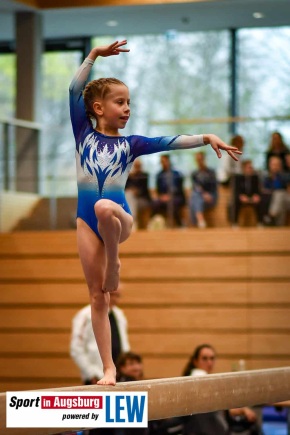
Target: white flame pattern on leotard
(103, 165)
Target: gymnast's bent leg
(93, 258)
(114, 226)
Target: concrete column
(29, 45)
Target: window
(173, 77)
(264, 87)
(7, 90)
(57, 157)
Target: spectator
(228, 166)
(276, 196)
(167, 426)
(129, 367)
(278, 148)
(204, 194)
(170, 195)
(201, 363)
(138, 195)
(287, 160)
(246, 191)
(84, 350)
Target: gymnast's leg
(93, 258)
(115, 226)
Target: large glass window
(264, 86)
(57, 161)
(173, 77)
(7, 88)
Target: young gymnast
(103, 159)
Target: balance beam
(175, 397)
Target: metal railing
(19, 155)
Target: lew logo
(125, 409)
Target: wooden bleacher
(229, 288)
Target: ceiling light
(258, 15)
(112, 23)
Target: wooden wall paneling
(132, 268)
(35, 342)
(40, 367)
(37, 318)
(187, 318)
(272, 319)
(34, 384)
(189, 293)
(230, 289)
(43, 293)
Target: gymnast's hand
(217, 144)
(109, 50)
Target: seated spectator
(287, 160)
(204, 194)
(170, 195)
(129, 367)
(138, 195)
(229, 166)
(243, 421)
(246, 192)
(167, 426)
(278, 148)
(201, 363)
(287, 157)
(275, 193)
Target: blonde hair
(97, 89)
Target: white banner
(79, 410)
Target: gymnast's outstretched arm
(144, 145)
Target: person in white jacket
(83, 347)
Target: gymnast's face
(113, 111)
(205, 360)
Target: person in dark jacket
(204, 192)
(138, 195)
(246, 190)
(170, 195)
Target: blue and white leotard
(103, 162)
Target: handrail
(221, 120)
(21, 123)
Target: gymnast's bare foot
(112, 277)
(109, 377)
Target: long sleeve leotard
(103, 162)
